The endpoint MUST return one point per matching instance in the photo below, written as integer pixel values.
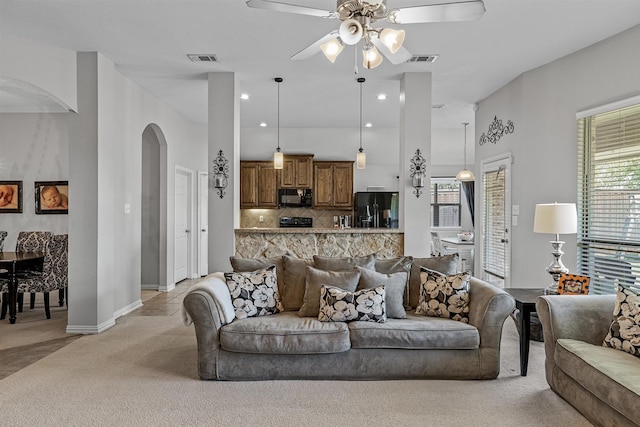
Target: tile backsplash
(322, 218)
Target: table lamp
(556, 218)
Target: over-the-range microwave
(294, 198)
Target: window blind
(445, 203)
(609, 199)
(494, 225)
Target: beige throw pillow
(315, 278)
(344, 263)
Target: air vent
(202, 57)
(424, 58)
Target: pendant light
(361, 157)
(278, 157)
(465, 174)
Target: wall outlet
(515, 209)
(127, 208)
(261, 218)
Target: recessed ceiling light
(382, 97)
(368, 125)
(244, 96)
(263, 125)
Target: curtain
(469, 192)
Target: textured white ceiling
(148, 40)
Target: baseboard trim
(150, 287)
(128, 309)
(168, 288)
(90, 329)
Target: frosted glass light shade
(465, 175)
(392, 39)
(278, 159)
(555, 218)
(371, 58)
(332, 49)
(361, 159)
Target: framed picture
(10, 196)
(573, 284)
(52, 197)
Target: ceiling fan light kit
(357, 17)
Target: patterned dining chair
(3, 234)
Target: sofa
(291, 345)
(602, 383)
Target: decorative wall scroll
(220, 173)
(417, 172)
(496, 131)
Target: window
(445, 202)
(609, 198)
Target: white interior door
(182, 224)
(495, 246)
(203, 224)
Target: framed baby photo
(10, 196)
(52, 197)
(573, 284)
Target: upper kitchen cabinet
(333, 185)
(258, 185)
(297, 171)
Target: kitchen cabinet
(297, 171)
(333, 185)
(258, 185)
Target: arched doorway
(154, 209)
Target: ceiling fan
(357, 17)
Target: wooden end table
(526, 303)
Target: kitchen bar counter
(306, 242)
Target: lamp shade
(465, 175)
(371, 58)
(332, 49)
(392, 39)
(556, 218)
(361, 159)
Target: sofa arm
(489, 306)
(580, 317)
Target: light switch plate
(515, 209)
(127, 208)
(514, 220)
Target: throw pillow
(253, 264)
(295, 271)
(395, 265)
(444, 295)
(338, 305)
(446, 264)
(624, 332)
(344, 263)
(315, 278)
(394, 285)
(254, 293)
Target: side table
(526, 303)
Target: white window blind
(445, 202)
(494, 225)
(609, 199)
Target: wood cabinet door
(288, 173)
(343, 185)
(267, 186)
(322, 184)
(303, 171)
(248, 184)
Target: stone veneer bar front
(306, 242)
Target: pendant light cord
(278, 80)
(465, 145)
(361, 80)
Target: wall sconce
(418, 172)
(220, 173)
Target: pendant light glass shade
(371, 57)
(278, 157)
(392, 39)
(332, 49)
(465, 174)
(361, 157)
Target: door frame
(188, 173)
(203, 224)
(504, 160)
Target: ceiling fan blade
(402, 55)
(314, 47)
(290, 8)
(448, 12)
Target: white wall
(543, 104)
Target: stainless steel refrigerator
(376, 209)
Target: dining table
(16, 263)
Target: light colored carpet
(142, 372)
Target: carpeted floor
(142, 372)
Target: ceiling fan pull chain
(355, 64)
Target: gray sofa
(601, 382)
(287, 346)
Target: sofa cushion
(338, 305)
(295, 271)
(415, 332)
(612, 376)
(284, 333)
(624, 332)
(396, 265)
(253, 264)
(254, 293)
(315, 278)
(394, 287)
(444, 295)
(344, 263)
(446, 264)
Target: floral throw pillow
(254, 293)
(624, 332)
(444, 295)
(338, 305)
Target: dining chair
(3, 234)
(437, 248)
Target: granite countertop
(303, 230)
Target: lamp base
(556, 269)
